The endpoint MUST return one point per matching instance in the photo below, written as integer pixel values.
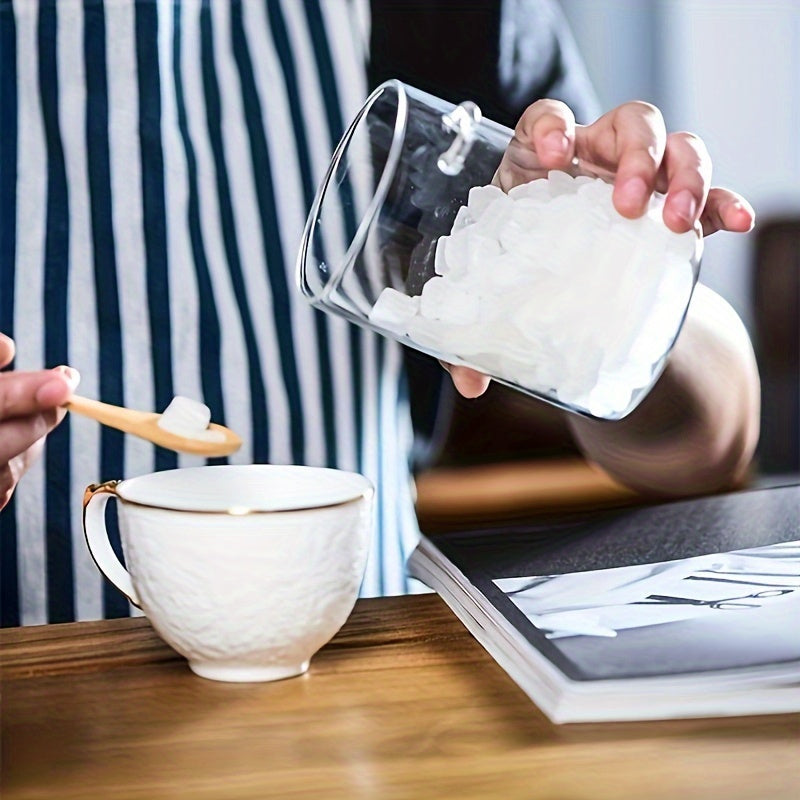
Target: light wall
(729, 70)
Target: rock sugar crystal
(549, 288)
(189, 418)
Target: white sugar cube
(509, 270)
(189, 418)
(448, 302)
(394, 310)
(434, 293)
(185, 417)
(462, 219)
(609, 399)
(534, 190)
(598, 191)
(526, 211)
(495, 215)
(481, 197)
(524, 239)
(483, 251)
(560, 182)
(539, 307)
(463, 341)
(456, 255)
(440, 266)
(426, 332)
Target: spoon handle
(123, 419)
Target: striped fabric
(157, 160)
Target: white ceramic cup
(245, 570)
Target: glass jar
(397, 242)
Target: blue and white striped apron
(157, 160)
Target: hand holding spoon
(204, 440)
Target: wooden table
(403, 703)
(499, 494)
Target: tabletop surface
(402, 703)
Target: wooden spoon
(145, 425)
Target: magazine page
(716, 612)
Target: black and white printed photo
(723, 610)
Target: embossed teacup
(245, 570)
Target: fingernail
(737, 206)
(684, 205)
(70, 373)
(556, 143)
(632, 193)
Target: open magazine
(684, 609)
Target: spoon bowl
(144, 424)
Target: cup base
(217, 672)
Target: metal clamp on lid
(462, 121)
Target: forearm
(697, 430)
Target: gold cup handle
(95, 499)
